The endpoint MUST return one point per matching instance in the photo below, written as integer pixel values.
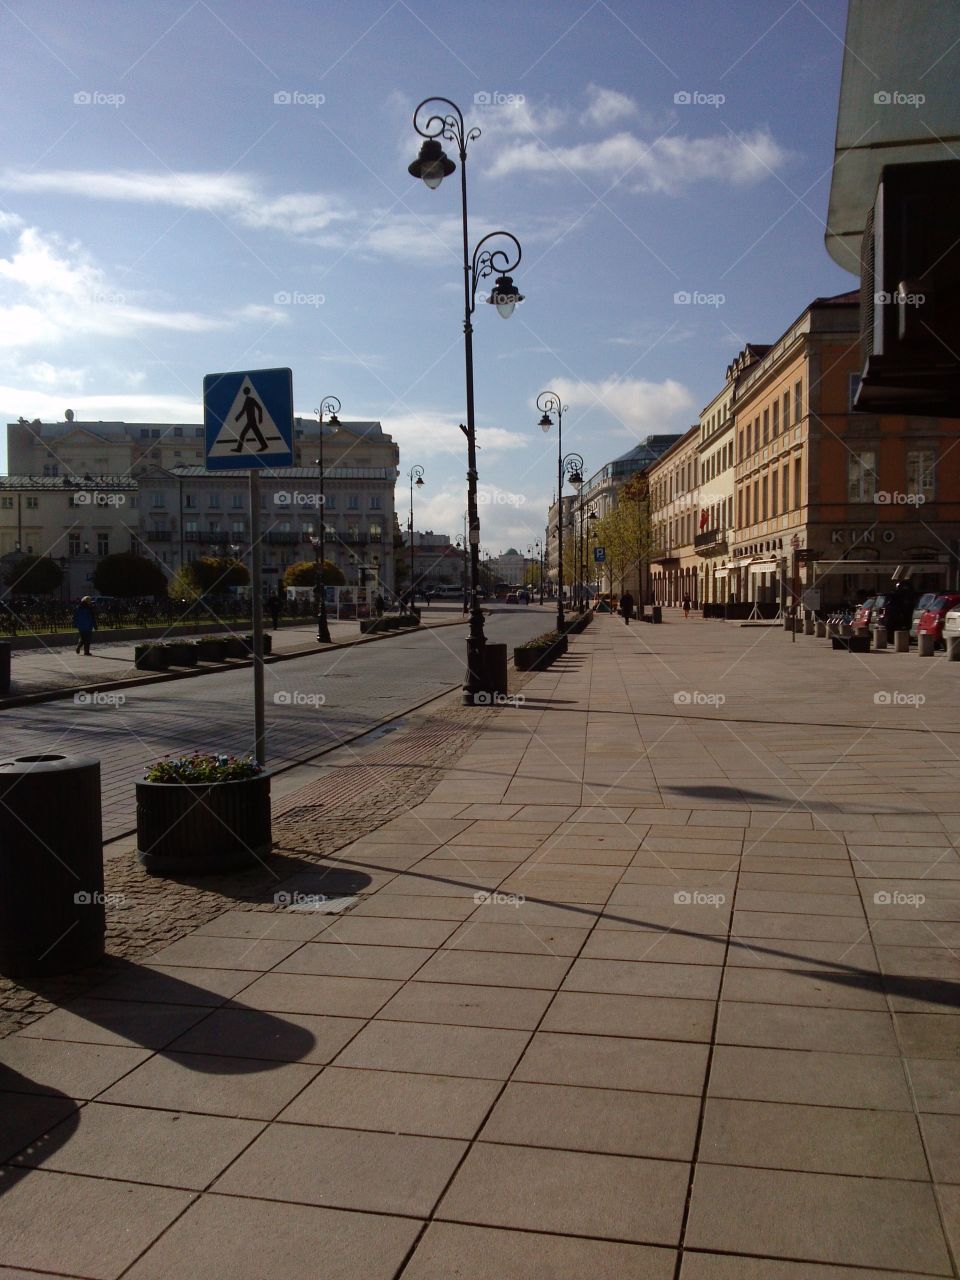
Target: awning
(768, 564)
(729, 565)
(890, 568)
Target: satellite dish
(68, 415)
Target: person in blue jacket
(85, 621)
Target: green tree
(209, 575)
(127, 574)
(33, 576)
(304, 574)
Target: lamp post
(445, 120)
(415, 475)
(539, 545)
(549, 402)
(329, 405)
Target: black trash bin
(657, 613)
(4, 666)
(495, 671)
(52, 911)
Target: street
(358, 686)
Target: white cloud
(667, 165)
(235, 197)
(503, 523)
(420, 434)
(52, 291)
(44, 374)
(606, 106)
(32, 403)
(642, 408)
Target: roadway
(312, 703)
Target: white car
(951, 623)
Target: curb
(187, 673)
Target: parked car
(951, 623)
(932, 621)
(924, 603)
(862, 613)
(893, 610)
(512, 598)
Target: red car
(931, 620)
(861, 617)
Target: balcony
(158, 535)
(282, 538)
(212, 537)
(709, 541)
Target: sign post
(248, 425)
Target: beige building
(674, 482)
(74, 522)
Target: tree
(127, 574)
(209, 575)
(304, 574)
(33, 576)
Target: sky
(188, 188)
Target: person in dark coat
(378, 605)
(84, 619)
(626, 607)
(275, 605)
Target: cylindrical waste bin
(52, 917)
(495, 670)
(657, 613)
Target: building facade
(674, 486)
(74, 522)
(437, 562)
(167, 506)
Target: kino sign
(865, 536)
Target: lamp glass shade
(420, 482)
(546, 422)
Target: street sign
(599, 555)
(248, 419)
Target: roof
(648, 450)
(69, 484)
(186, 471)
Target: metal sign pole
(256, 575)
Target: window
(154, 433)
(144, 433)
(236, 501)
(853, 386)
(861, 475)
(375, 503)
(785, 488)
(190, 526)
(353, 502)
(236, 526)
(776, 418)
(797, 403)
(103, 544)
(797, 482)
(73, 544)
(920, 473)
(749, 438)
(190, 501)
(215, 500)
(330, 501)
(51, 469)
(198, 432)
(32, 503)
(766, 425)
(786, 410)
(774, 496)
(763, 505)
(6, 503)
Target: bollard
(953, 648)
(901, 641)
(880, 638)
(52, 917)
(821, 630)
(925, 644)
(809, 627)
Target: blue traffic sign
(248, 419)
(599, 555)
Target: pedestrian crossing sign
(248, 419)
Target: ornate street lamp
(330, 406)
(415, 475)
(549, 402)
(432, 165)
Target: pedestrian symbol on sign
(252, 410)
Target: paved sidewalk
(650, 985)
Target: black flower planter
(182, 653)
(150, 657)
(527, 659)
(195, 829)
(211, 650)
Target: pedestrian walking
(626, 607)
(379, 604)
(686, 606)
(85, 620)
(274, 603)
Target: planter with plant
(181, 653)
(203, 813)
(211, 649)
(150, 657)
(538, 653)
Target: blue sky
(164, 214)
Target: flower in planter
(202, 767)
